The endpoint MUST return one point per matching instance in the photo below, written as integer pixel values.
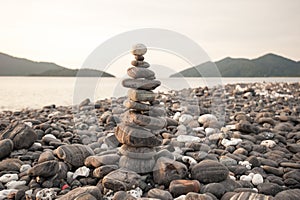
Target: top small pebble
(138, 49)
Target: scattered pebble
(254, 153)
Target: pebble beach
(245, 146)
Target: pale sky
(67, 31)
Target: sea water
(35, 92)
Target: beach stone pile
(138, 131)
(58, 152)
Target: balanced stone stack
(144, 118)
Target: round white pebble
(257, 179)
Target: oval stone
(121, 179)
(180, 187)
(137, 165)
(290, 194)
(10, 164)
(250, 196)
(209, 171)
(74, 154)
(159, 194)
(136, 105)
(44, 169)
(137, 152)
(141, 95)
(6, 147)
(102, 171)
(138, 49)
(167, 170)
(139, 72)
(138, 63)
(97, 161)
(73, 194)
(142, 84)
(145, 121)
(136, 136)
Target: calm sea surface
(36, 92)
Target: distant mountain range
(12, 66)
(269, 65)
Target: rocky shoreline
(240, 141)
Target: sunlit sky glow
(66, 32)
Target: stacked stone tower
(144, 117)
